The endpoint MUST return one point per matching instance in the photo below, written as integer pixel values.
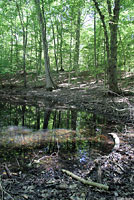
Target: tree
(42, 21)
(77, 44)
(111, 44)
(25, 31)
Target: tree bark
(61, 44)
(77, 44)
(24, 29)
(54, 41)
(49, 82)
(112, 62)
(111, 44)
(95, 50)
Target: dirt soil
(115, 170)
(81, 92)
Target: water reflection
(70, 133)
(35, 117)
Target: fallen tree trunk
(88, 182)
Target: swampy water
(28, 131)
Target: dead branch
(99, 185)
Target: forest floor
(82, 93)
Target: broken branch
(99, 185)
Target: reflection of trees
(47, 114)
(58, 121)
(73, 119)
(64, 119)
(61, 140)
(38, 118)
(68, 118)
(54, 119)
(16, 120)
(23, 114)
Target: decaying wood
(88, 182)
(116, 140)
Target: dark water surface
(72, 134)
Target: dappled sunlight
(66, 99)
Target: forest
(66, 99)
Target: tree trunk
(41, 16)
(54, 41)
(112, 62)
(40, 55)
(11, 54)
(77, 45)
(111, 46)
(24, 29)
(61, 44)
(24, 56)
(95, 50)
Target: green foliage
(63, 16)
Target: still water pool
(73, 135)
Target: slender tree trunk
(77, 44)
(11, 55)
(70, 59)
(71, 36)
(95, 51)
(123, 50)
(42, 21)
(16, 48)
(24, 56)
(40, 55)
(57, 39)
(54, 41)
(61, 44)
(36, 51)
(24, 29)
(111, 45)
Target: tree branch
(109, 8)
(116, 11)
(89, 182)
(104, 26)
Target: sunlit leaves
(63, 15)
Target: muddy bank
(92, 99)
(45, 179)
(35, 174)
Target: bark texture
(42, 22)
(111, 41)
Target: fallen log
(87, 182)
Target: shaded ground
(46, 180)
(82, 93)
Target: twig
(99, 185)
(4, 191)
(7, 171)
